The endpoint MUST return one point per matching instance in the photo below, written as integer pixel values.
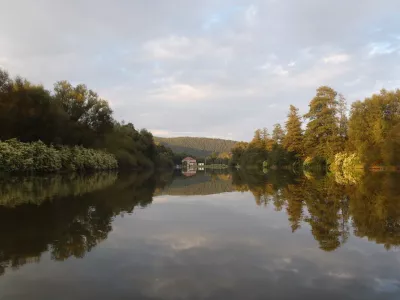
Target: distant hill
(196, 146)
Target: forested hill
(196, 146)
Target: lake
(200, 236)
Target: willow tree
(322, 137)
(293, 140)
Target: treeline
(368, 135)
(73, 116)
(197, 146)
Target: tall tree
(278, 134)
(373, 128)
(293, 141)
(322, 137)
(258, 139)
(343, 119)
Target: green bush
(16, 156)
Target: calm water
(208, 236)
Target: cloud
(376, 49)
(251, 14)
(336, 58)
(213, 57)
(279, 70)
(179, 92)
(172, 47)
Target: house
(189, 162)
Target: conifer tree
(293, 140)
(322, 137)
(343, 119)
(278, 134)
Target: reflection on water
(200, 184)
(213, 235)
(71, 222)
(35, 190)
(372, 206)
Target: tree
(322, 137)
(343, 119)
(293, 140)
(90, 117)
(278, 134)
(373, 128)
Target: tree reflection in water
(371, 207)
(68, 217)
(67, 225)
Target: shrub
(16, 156)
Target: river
(200, 236)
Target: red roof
(188, 159)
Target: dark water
(208, 236)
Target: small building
(189, 162)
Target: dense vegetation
(73, 116)
(197, 147)
(368, 136)
(16, 156)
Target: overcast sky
(205, 67)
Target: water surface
(206, 236)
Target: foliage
(374, 128)
(278, 134)
(322, 137)
(16, 156)
(73, 116)
(371, 134)
(293, 140)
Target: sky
(215, 68)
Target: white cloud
(251, 14)
(179, 92)
(384, 48)
(167, 48)
(336, 58)
(280, 71)
(163, 60)
(353, 82)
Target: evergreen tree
(278, 134)
(293, 140)
(343, 119)
(258, 139)
(322, 137)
